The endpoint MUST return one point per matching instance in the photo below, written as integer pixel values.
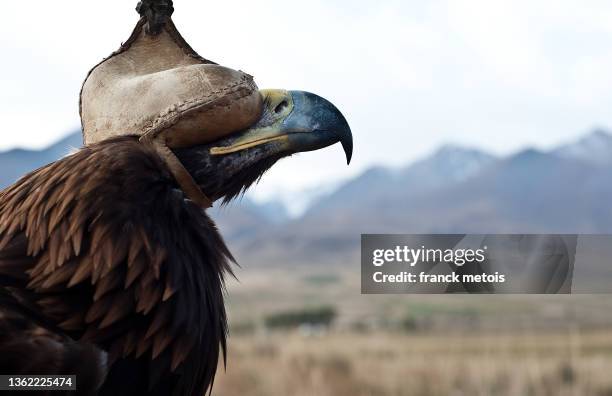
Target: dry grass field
(413, 345)
(378, 364)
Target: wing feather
(107, 250)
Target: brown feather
(136, 268)
(180, 351)
(55, 242)
(65, 250)
(122, 305)
(99, 233)
(130, 343)
(107, 284)
(148, 297)
(136, 246)
(41, 265)
(162, 317)
(76, 322)
(61, 275)
(145, 239)
(55, 217)
(75, 234)
(161, 342)
(83, 272)
(168, 292)
(158, 258)
(98, 309)
(143, 345)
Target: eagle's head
(113, 260)
(291, 122)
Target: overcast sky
(408, 75)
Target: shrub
(310, 316)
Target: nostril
(281, 106)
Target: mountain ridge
(452, 190)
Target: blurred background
(468, 116)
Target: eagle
(110, 272)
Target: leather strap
(182, 176)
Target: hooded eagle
(110, 272)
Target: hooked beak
(292, 122)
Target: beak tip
(347, 145)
